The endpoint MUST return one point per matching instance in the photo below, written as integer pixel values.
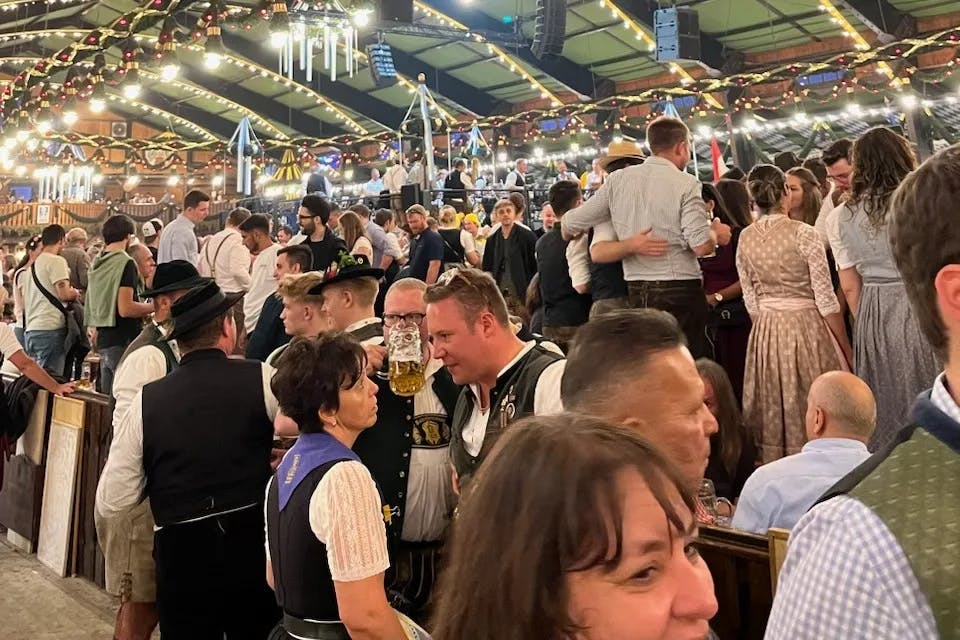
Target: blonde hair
(448, 215)
(364, 290)
(298, 285)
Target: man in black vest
(197, 443)
(407, 452)
(455, 185)
(507, 379)
(564, 309)
(127, 540)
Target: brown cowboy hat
(621, 149)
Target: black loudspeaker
(380, 58)
(678, 34)
(550, 28)
(410, 194)
(396, 11)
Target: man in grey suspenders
(226, 259)
(127, 541)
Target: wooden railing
(68, 214)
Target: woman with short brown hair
(574, 529)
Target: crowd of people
(661, 354)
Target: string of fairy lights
(29, 99)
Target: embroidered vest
(385, 447)
(510, 400)
(912, 486)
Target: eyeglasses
(306, 217)
(393, 319)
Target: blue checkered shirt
(846, 577)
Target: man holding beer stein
(407, 450)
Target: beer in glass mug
(405, 358)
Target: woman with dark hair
(805, 198)
(890, 353)
(33, 249)
(600, 543)
(732, 452)
(325, 519)
(737, 200)
(798, 331)
(728, 324)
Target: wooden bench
(740, 565)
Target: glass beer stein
(405, 358)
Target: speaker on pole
(550, 28)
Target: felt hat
(199, 306)
(347, 267)
(175, 275)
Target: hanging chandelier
(304, 29)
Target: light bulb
(361, 18)
(211, 60)
(22, 136)
(70, 118)
(131, 91)
(43, 127)
(21, 170)
(172, 181)
(169, 71)
(97, 105)
(278, 39)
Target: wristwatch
(718, 297)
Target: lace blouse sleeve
(811, 247)
(746, 282)
(346, 515)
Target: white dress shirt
(394, 178)
(262, 285)
(141, 367)
(123, 481)
(226, 260)
(430, 496)
(578, 261)
(546, 400)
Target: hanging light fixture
(213, 49)
(166, 54)
(68, 112)
(279, 25)
(131, 73)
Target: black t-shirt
(126, 329)
(326, 250)
(427, 247)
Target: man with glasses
(407, 452)
(313, 216)
(506, 379)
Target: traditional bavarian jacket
(412, 430)
(512, 398)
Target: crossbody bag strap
(46, 294)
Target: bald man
(841, 417)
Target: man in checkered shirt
(879, 557)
